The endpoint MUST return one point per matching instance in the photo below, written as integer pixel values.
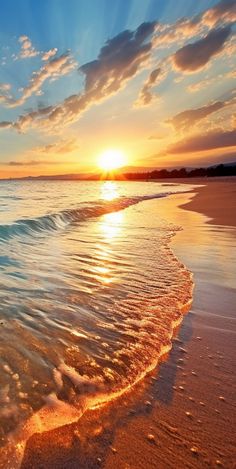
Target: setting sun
(111, 159)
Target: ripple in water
(89, 300)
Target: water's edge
(57, 413)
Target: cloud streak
(198, 143)
(53, 69)
(186, 119)
(60, 147)
(33, 163)
(5, 125)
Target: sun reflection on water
(109, 190)
(110, 227)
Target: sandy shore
(216, 200)
(182, 415)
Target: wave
(60, 220)
(126, 333)
(57, 413)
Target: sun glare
(111, 159)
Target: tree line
(212, 171)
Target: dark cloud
(195, 56)
(186, 119)
(118, 61)
(210, 141)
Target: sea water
(90, 293)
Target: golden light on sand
(112, 159)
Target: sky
(154, 79)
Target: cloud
(27, 50)
(53, 69)
(224, 11)
(195, 56)
(184, 120)
(145, 95)
(3, 98)
(195, 87)
(5, 125)
(23, 39)
(118, 61)
(5, 87)
(24, 163)
(221, 14)
(230, 50)
(33, 163)
(50, 53)
(210, 141)
(63, 146)
(183, 29)
(40, 152)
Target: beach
(182, 414)
(117, 234)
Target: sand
(217, 200)
(182, 414)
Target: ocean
(90, 294)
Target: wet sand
(183, 413)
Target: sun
(111, 160)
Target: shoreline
(204, 201)
(156, 405)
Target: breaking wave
(57, 221)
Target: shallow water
(90, 292)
